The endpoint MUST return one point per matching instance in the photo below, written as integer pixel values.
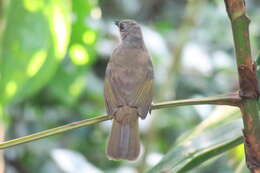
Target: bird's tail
(123, 142)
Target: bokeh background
(53, 55)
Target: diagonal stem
(53, 131)
(231, 99)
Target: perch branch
(231, 99)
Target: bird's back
(128, 70)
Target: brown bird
(128, 91)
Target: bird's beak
(117, 22)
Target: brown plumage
(128, 91)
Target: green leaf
(218, 133)
(34, 43)
(83, 36)
(67, 86)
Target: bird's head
(129, 29)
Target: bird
(128, 91)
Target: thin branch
(53, 131)
(232, 99)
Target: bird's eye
(122, 27)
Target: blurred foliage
(31, 56)
(53, 55)
(216, 134)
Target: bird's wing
(142, 97)
(112, 96)
(110, 99)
